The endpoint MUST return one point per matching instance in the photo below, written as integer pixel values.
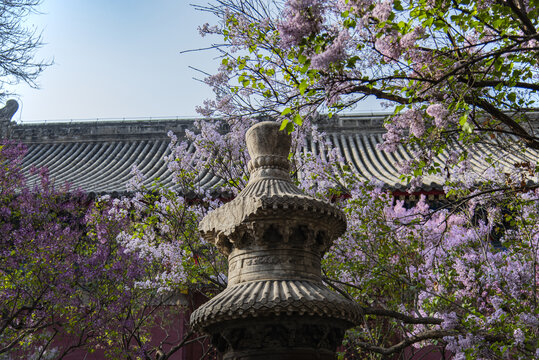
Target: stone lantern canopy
(275, 305)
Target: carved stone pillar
(275, 305)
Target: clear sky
(120, 59)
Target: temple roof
(97, 156)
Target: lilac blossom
(72, 266)
(389, 47)
(301, 18)
(439, 113)
(334, 53)
(409, 40)
(382, 10)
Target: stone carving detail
(268, 259)
(274, 298)
(281, 336)
(274, 236)
(268, 161)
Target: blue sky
(120, 59)
(117, 58)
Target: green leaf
(399, 108)
(498, 64)
(286, 112)
(350, 23)
(297, 119)
(467, 127)
(302, 87)
(463, 119)
(428, 22)
(289, 127)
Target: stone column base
(283, 337)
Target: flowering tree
(465, 283)
(461, 279)
(452, 71)
(66, 283)
(461, 79)
(422, 277)
(464, 278)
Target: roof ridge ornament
(6, 116)
(274, 236)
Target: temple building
(97, 156)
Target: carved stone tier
(244, 222)
(275, 305)
(274, 298)
(282, 263)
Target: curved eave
(99, 159)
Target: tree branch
(400, 316)
(527, 26)
(530, 140)
(489, 83)
(426, 335)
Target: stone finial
(275, 305)
(265, 139)
(271, 191)
(269, 148)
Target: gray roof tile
(98, 157)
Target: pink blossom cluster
(410, 39)
(353, 5)
(301, 19)
(382, 10)
(334, 53)
(397, 129)
(439, 113)
(207, 29)
(389, 47)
